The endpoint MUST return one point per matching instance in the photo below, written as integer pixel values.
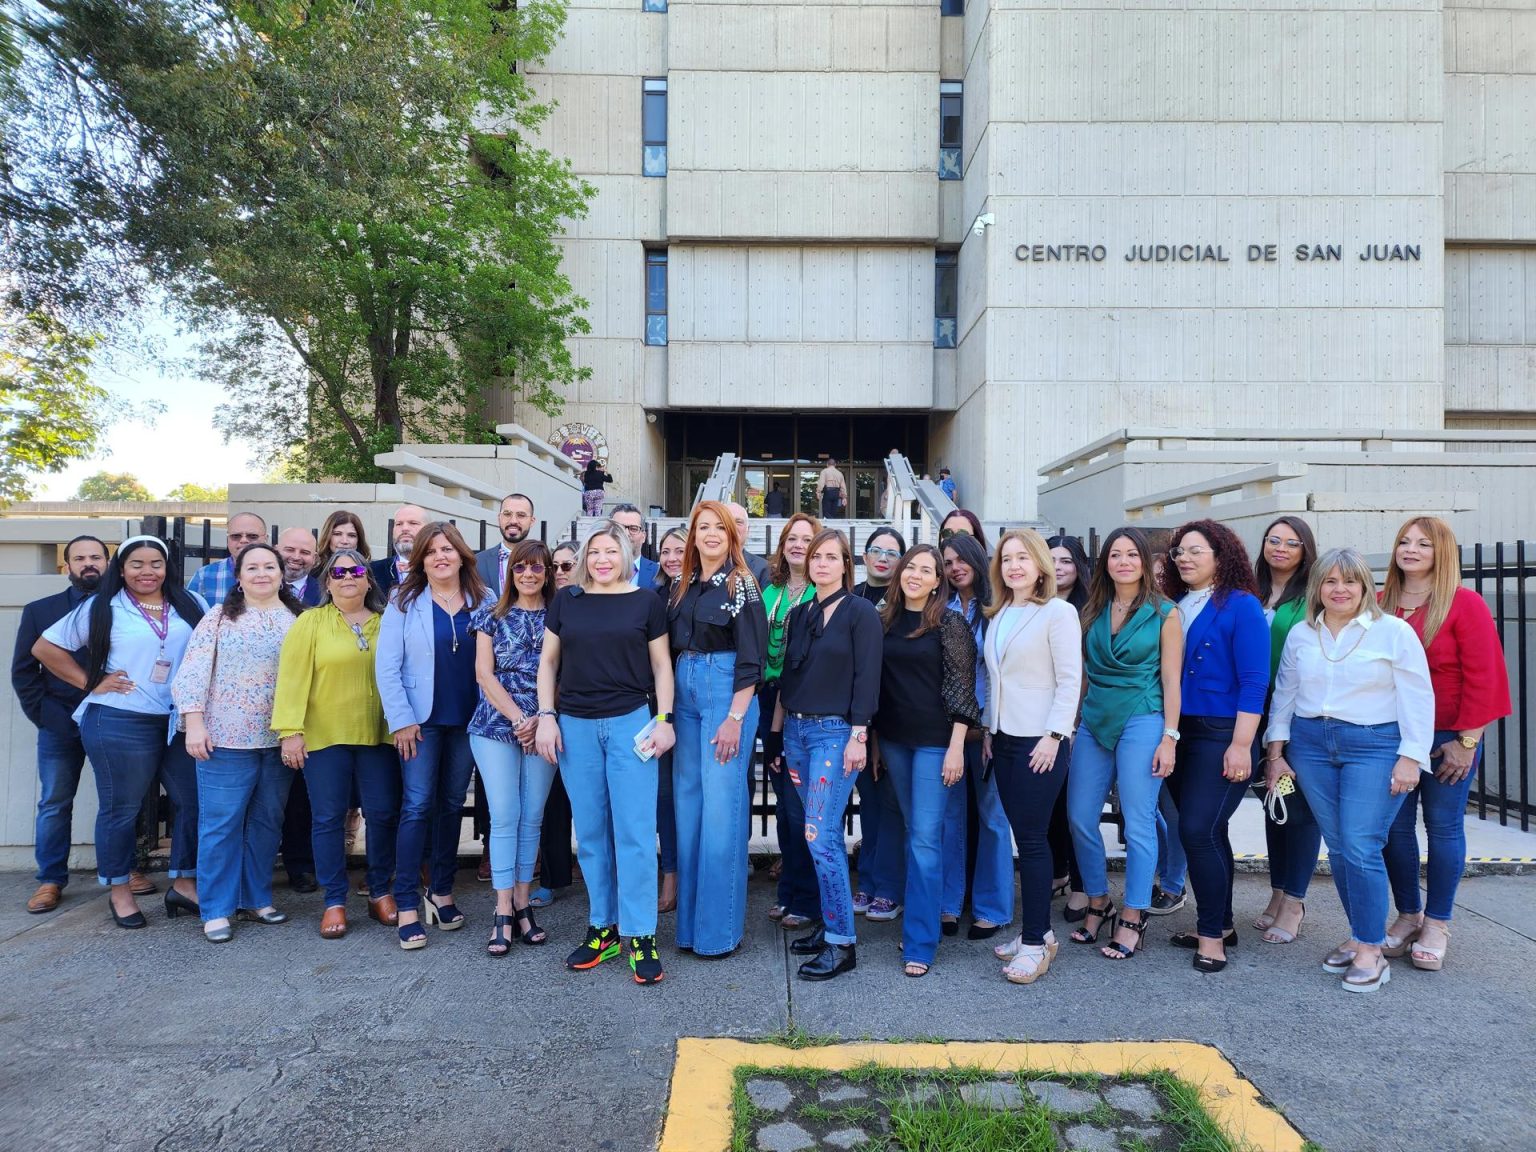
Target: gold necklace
(1337, 659)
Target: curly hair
(1234, 571)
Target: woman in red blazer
(1466, 667)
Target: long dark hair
(974, 521)
(968, 551)
(1078, 596)
(1233, 572)
(234, 604)
(335, 520)
(373, 599)
(1296, 586)
(99, 639)
(779, 573)
(524, 552)
(415, 583)
(896, 601)
(1101, 586)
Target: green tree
(51, 415)
(346, 199)
(112, 486)
(198, 493)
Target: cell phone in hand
(642, 740)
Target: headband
(155, 540)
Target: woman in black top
(605, 646)
(669, 565)
(719, 635)
(592, 480)
(829, 690)
(927, 704)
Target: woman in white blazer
(1034, 654)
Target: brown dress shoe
(483, 873)
(45, 899)
(384, 911)
(141, 885)
(333, 925)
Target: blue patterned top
(517, 638)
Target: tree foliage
(199, 493)
(345, 198)
(112, 486)
(51, 415)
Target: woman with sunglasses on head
(224, 692)
(1072, 572)
(1466, 667)
(426, 672)
(927, 705)
(509, 638)
(328, 713)
(1224, 680)
(1133, 647)
(135, 631)
(719, 637)
(1286, 555)
(799, 900)
(830, 690)
(964, 522)
(1034, 654)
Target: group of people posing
(977, 696)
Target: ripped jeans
(813, 752)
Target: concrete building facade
(992, 237)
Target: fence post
(1525, 776)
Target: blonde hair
(1444, 577)
(1352, 567)
(1045, 584)
(614, 532)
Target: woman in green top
(799, 900)
(328, 712)
(1133, 647)
(1286, 556)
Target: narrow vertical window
(661, 5)
(951, 129)
(656, 296)
(946, 7)
(946, 297)
(653, 126)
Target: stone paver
(1060, 1098)
(993, 1095)
(1137, 1099)
(1147, 1133)
(784, 1137)
(845, 1138)
(919, 1093)
(769, 1095)
(843, 1092)
(1087, 1138)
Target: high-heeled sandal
(1425, 958)
(500, 943)
(1395, 946)
(412, 936)
(446, 916)
(1276, 935)
(532, 934)
(1105, 914)
(1115, 950)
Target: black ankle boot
(833, 960)
(812, 944)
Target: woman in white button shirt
(1352, 719)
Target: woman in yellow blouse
(328, 712)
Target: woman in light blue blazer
(426, 672)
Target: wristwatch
(1172, 734)
(1467, 742)
(1057, 736)
(737, 716)
(663, 717)
(861, 735)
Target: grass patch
(745, 1116)
(884, 1080)
(1185, 1112)
(948, 1123)
(796, 1037)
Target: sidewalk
(282, 1041)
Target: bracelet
(550, 712)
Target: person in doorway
(832, 491)
(775, 501)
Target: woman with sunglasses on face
(509, 637)
(1224, 680)
(1034, 654)
(719, 637)
(1466, 667)
(882, 550)
(556, 860)
(830, 690)
(983, 857)
(1286, 555)
(224, 692)
(799, 901)
(927, 705)
(135, 631)
(426, 672)
(964, 522)
(328, 713)
(669, 556)
(1133, 648)
(605, 650)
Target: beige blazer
(1035, 673)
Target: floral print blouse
(229, 674)
(517, 639)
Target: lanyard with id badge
(161, 673)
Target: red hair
(693, 563)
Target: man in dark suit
(297, 548)
(388, 571)
(515, 520)
(632, 520)
(49, 703)
(758, 566)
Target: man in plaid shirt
(213, 582)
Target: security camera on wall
(983, 222)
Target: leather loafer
(303, 882)
(384, 911)
(333, 925)
(141, 885)
(483, 872)
(45, 899)
(219, 935)
(272, 917)
(833, 960)
(810, 945)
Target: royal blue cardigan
(1226, 658)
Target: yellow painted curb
(699, 1111)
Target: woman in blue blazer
(1222, 686)
(426, 672)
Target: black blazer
(47, 700)
(384, 575)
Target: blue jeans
(1347, 771)
(1029, 799)
(1206, 800)
(1445, 814)
(241, 796)
(666, 814)
(882, 852)
(128, 751)
(813, 750)
(433, 785)
(516, 787)
(1172, 865)
(333, 774)
(709, 800)
(928, 807)
(613, 806)
(60, 756)
(797, 891)
(1128, 767)
(992, 881)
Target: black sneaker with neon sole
(601, 944)
(644, 960)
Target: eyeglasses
(946, 533)
(883, 553)
(535, 569)
(1192, 553)
(1276, 542)
(362, 641)
(564, 565)
(244, 536)
(342, 571)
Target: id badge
(161, 673)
